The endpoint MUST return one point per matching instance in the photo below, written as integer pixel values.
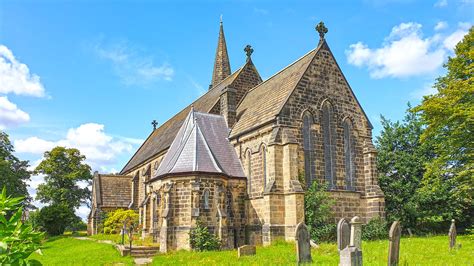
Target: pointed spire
(221, 63)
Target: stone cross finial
(154, 124)
(322, 30)
(248, 50)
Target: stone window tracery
(308, 149)
(349, 155)
(329, 142)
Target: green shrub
(375, 229)
(201, 239)
(114, 221)
(17, 240)
(318, 214)
(55, 218)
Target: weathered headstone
(246, 250)
(303, 247)
(350, 256)
(394, 246)
(356, 233)
(452, 235)
(343, 234)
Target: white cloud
(15, 77)
(441, 25)
(34, 145)
(83, 211)
(425, 91)
(132, 67)
(441, 3)
(404, 53)
(455, 37)
(10, 114)
(99, 148)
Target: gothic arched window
(206, 199)
(308, 149)
(264, 165)
(349, 155)
(249, 172)
(329, 138)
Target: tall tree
(401, 165)
(448, 184)
(63, 169)
(13, 171)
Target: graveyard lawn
(413, 251)
(67, 250)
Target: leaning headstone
(303, 247)
(343, 234)
(356, 233)
(394, 246)
(452, 235)
(246, 250)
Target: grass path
(71, 251)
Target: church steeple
(221, 63)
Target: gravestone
(303, 247)
(356, 233)
(350, 256)
(343, 234)
(246, 250)
(394, 246)
(452, 235)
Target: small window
(249, 172)
(206, 199)
(264, 166)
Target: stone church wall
(323, 83)
(224, 214)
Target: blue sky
(94, 75)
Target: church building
(240, 158)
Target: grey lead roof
(201, 145)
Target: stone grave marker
(394, 246)
(356, 233)
(303, 246)
(246, 250)
(452, 235)
(352, 255)
(343, 234)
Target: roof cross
(248, 50)
(154, 124)
(321, 29)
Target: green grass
(70, 251)
(117, 238)
(413, 251)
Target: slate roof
(161, 138)
(112, 190)
(202, 146)
(263, 102)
